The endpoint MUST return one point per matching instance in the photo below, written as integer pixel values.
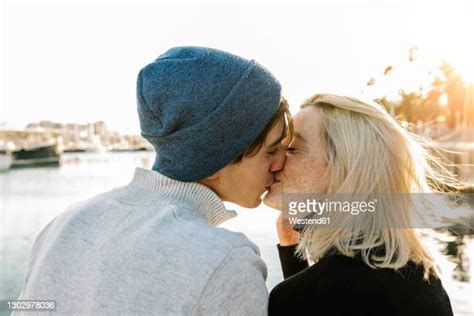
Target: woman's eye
(290, 149)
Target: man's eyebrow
(278, 141)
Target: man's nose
(279, 161)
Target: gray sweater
(150, 247)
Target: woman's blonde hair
(368, 152)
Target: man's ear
(212, 179)
(214, 176)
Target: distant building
(77, 137)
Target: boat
(39, 155)
(5, 160)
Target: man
(152, 247)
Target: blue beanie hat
(201, 108)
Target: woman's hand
(286, 234)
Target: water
(30, 198)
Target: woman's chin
(273, 200)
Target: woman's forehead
(306, 120)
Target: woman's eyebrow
(299, 137)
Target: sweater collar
(152, 186)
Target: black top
(340, 285)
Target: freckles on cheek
(291, 173)
(319, 165)
(297, 166)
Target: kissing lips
(275, 181)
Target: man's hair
(282, 113)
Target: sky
(78, 61)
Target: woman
(342, 145)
